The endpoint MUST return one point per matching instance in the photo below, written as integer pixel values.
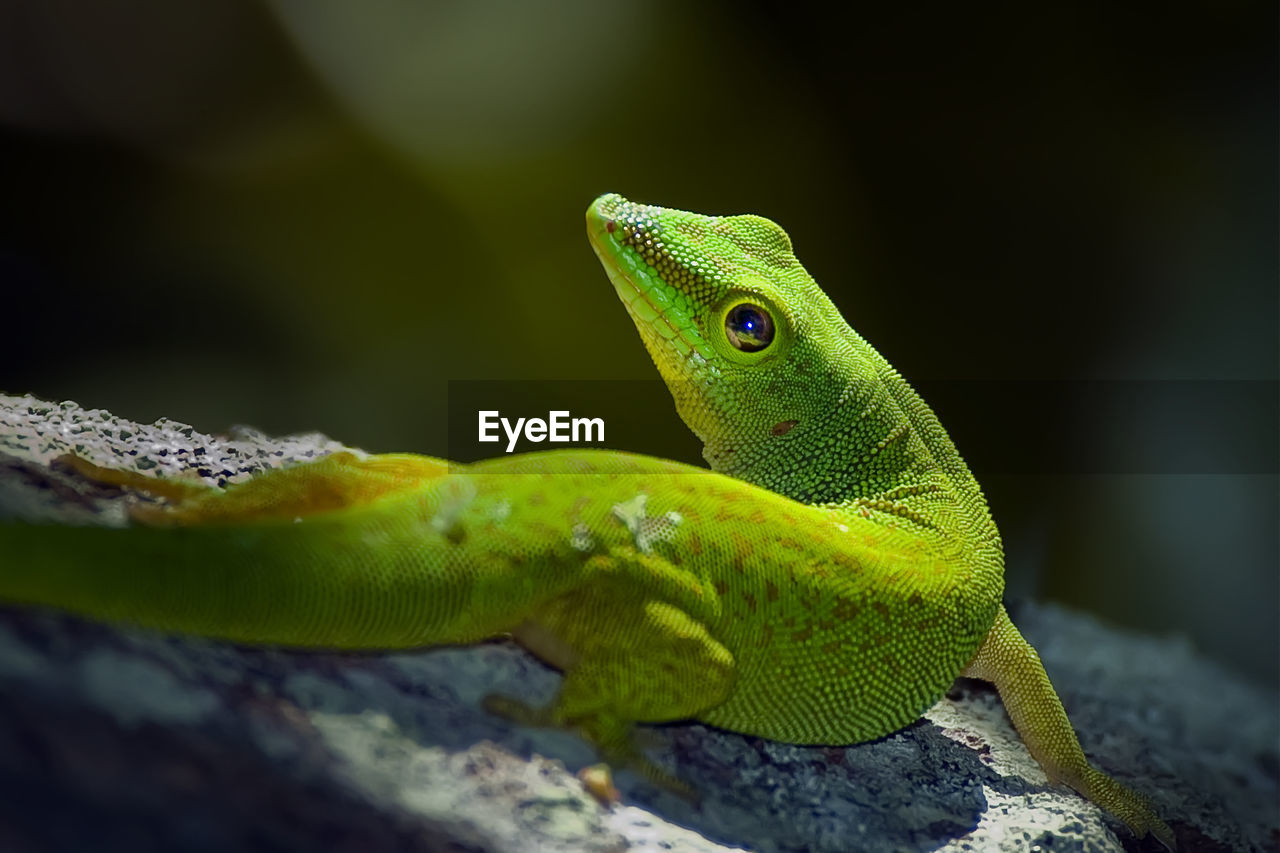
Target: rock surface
(119, 739)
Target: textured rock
(113, 738)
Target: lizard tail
(304, 585)
(317, 556)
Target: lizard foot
(614, 739)
(1131, 807)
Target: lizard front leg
(627, 657)
(1010, 663)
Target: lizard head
(747, 342)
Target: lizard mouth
(618, 231)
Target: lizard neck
(877, 446)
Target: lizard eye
(749, 327)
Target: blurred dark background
(313, 214)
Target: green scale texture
(818, 416)
(825, 583)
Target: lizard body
(825, 584)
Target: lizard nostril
(608, 226)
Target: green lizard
(825, 584)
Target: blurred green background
(312, 214)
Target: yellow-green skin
(825, 585)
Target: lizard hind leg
(172, 489)
(655, 663)
(337, 481)
(1010, 663)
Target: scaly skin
(825, 587)
(816, 414)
